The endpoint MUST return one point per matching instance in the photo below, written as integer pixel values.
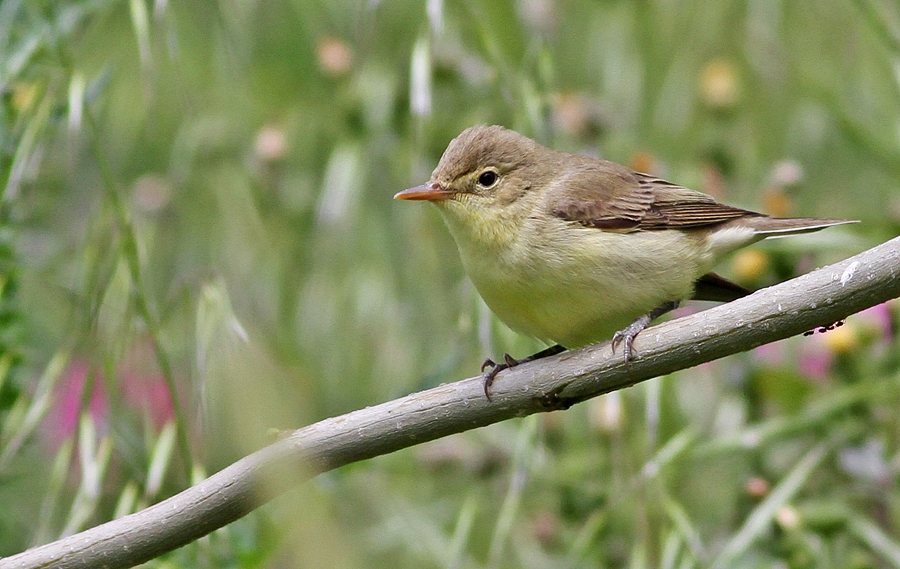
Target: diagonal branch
(818, 298)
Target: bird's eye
(488, 178)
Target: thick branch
(819, 298)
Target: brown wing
(675, 206)
(603, 195)
(612, 197)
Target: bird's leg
(626, 336)
(509, 361)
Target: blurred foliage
(196, 208)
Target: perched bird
(573, 250)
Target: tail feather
(718, 289)
(783, 226)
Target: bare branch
(819, 298)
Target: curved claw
(491, 374)
(496, 368)
(627, 335)
(626, 338)
(616, 340)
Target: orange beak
(431, 191)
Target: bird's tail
(783, 226)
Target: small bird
(573, 250)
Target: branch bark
(818, 298)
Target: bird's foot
(627, 335)
(508, 362)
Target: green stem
(130, 251)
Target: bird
(573, 250)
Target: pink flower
(63, 419)
(142, 386)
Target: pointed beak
(432, 191)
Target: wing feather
(607, 196)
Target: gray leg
(626, 337)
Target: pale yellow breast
(573, 285)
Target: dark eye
(488, 178)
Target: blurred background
(198, 247)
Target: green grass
(196, 201)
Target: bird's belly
(587, 285)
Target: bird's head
(484, 169)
